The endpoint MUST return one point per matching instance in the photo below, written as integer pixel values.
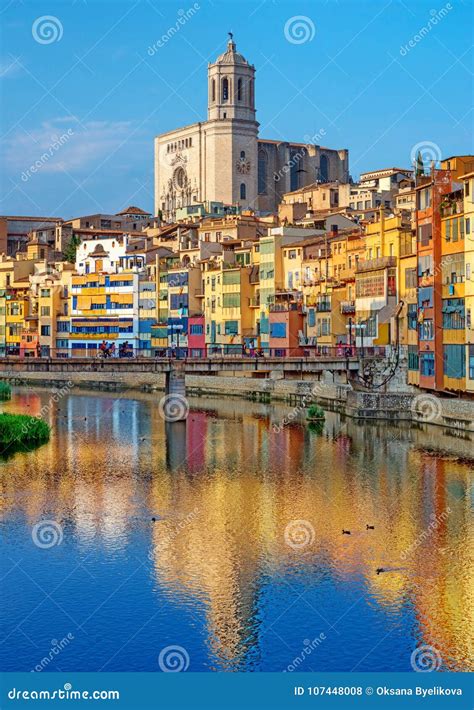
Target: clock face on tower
(243, 166)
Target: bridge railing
(196, 354)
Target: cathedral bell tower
(231, 86)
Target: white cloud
(64, 144)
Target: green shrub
(5, 391)
(315, 412)
(20, 431)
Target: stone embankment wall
(409, 406)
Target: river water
(246, 567)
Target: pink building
(196, 337)
(286, 322)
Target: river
(246, 567)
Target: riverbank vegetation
(5, 391)
(21, 432)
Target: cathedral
(224, 160)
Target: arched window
(243, 191)
(251, 93)
(242, 154)
(324, 169)
(239, 90)
(225, 89)
(262, 172)
(213, 90)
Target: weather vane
(231, 35)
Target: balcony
(283, 307)
(382, 262)
(254, 302)
(347, 307)
(453, 207)
(323, 306)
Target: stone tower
(232, 129)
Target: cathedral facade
(224, 160)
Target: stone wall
(417, 407)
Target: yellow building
(453, 291)
(228, 307)
(468, 208)
(378, 279)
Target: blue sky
(92, 94)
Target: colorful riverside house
(228, 317)
(17, 311)
(468, 189)
(50, 287)
(184, 284)
(196, 336)
(453, 291)
(431, 191)
(272, 273)
(378, 280)
(146, 315)
(408, 298)
(105, 298)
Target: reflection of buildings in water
(248, 483)
(241, 522)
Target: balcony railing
(347, 307)
(382, 262)
(323, 306)
(283, 307)
(254, 302)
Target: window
(324, 169)
(225, 89)
(213, 90)
(262, 172)
(45, 330)
(427, 329)
(471, 362)
(242, 154)
(410, 278)
(292, 254)
(45, 311)
(424, 234)
(427, 364)
(231, 300)
(412, 316)
(278, 330)
(413, 358)
(239, 90)
(454, 361)
(243, 191)
(231, 327)
(45, 293)
(196, 329)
